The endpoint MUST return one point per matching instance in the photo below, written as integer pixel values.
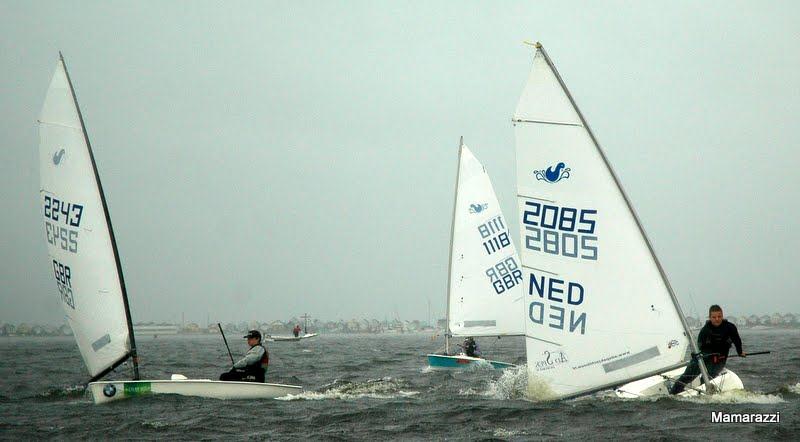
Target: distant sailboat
(305, 335)
(85, 261)
(599, 309)
(484, 293)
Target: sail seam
(543, 340)
(58, 124)
(557, 123)
(519, 195)
(539, 270)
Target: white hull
(659, 385)
(107, 391)
(290, 338)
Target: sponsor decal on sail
(552, 359)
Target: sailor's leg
(232, 375)
(715, 369)
(691, 372)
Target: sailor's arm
(701, 337)
(737, 341)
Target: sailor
(296, 330)
(714, 340)
(253, 366)
(471, 348)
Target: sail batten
(80, 240)
(599, 309)
(485, 279)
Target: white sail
(599, 311)
(485, 277)
(79, 241)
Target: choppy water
(374, 387)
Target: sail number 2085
(564, 231)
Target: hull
(462, 361)
(290, 338)
(108, 391)
(659, 386)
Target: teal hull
(462, 361)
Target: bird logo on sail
(478, 207)
(553, 174)
(58, 156)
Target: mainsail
(484, 290)
(599, 310)
(80, 241)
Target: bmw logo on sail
(478, 208)
(109, 390)
(553, 174)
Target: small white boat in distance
(305, 335)
(658, 385)
(290, 338)
(85, 261)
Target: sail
(485, 276)
(599, 311)
(82, 256)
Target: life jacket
(257, 371)
(264, 358)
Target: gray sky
(266, 159)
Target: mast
(675, 303)
(132, 354)
(450, 260)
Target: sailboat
(599, 309)
(86, 265)
(305, 335)
(484, 282)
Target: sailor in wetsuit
(715, 341)
(471, 348)
(253, 366)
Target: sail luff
(450, 258)
(673, 297)
(132, 339)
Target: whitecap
(735, 397)
(384, 388)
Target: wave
(513, 383)
(505, 434)
(384, 388)
(735, 397)
(72, 391)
